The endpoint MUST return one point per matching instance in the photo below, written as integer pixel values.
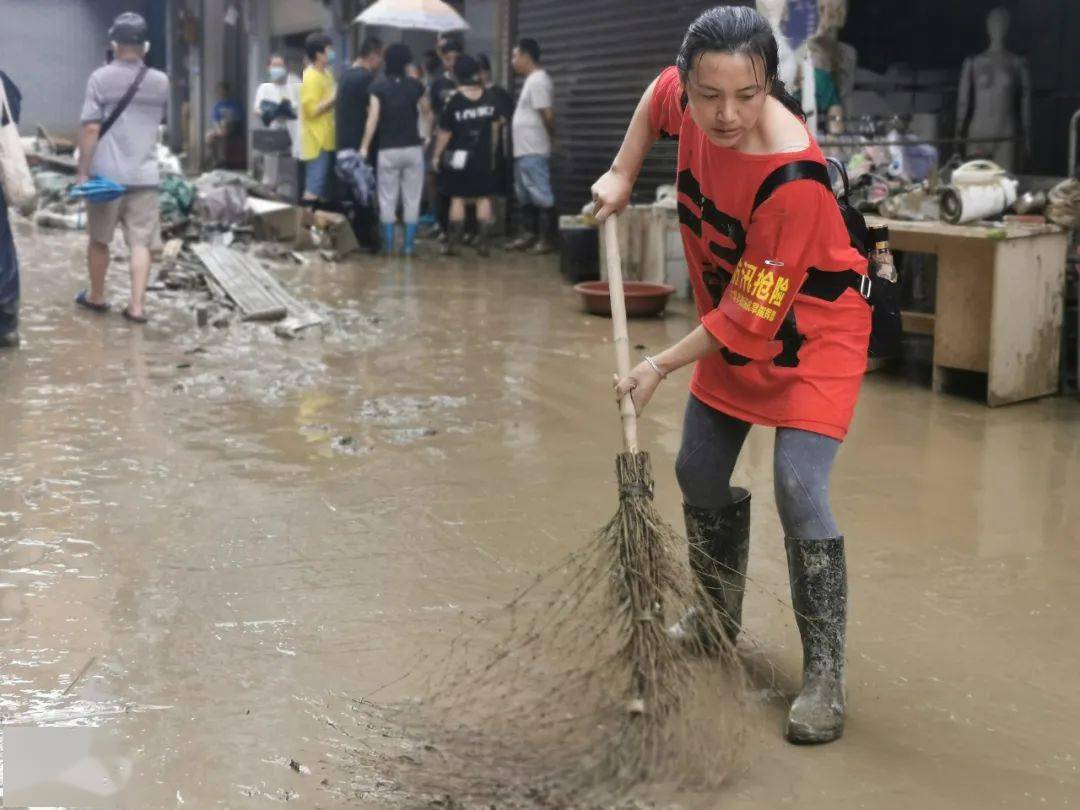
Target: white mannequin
(1001, 107)
(836, 58)
(773, 11)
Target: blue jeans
(9, 273)
(317, 175)
(532, 181)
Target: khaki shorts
(137, 212)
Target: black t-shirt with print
(469, 124)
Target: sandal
(82, 301)
(134, 318)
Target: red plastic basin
(642, 299)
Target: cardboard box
(274, 221)
(341, 233)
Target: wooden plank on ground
(300, 315)
(240, 284)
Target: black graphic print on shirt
(716, 278)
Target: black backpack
(880, 294)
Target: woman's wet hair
(736, 30)
(466, 70)
(396, 58)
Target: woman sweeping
(783, 335)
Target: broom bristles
(649, 587)
(583, 692)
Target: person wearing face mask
(784, 327)
(277, 106)
(318, 95)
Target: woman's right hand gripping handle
(611, 193)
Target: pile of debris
(238, 282)
(220, 229)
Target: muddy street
(213, 539)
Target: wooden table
(1000, 298)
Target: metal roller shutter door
(601, 55)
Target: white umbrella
(428, 15)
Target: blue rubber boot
(388, 238)
(410, 239)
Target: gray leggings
(802, 461)
(401, 174)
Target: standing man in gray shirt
(126, 154)
(533, 123)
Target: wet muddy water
(212, 539)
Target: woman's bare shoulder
(783, 131)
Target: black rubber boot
(9, 325)
(545, 223)
(453, 239)
(719, 541)
(526, 231)
(819, 595)
(483, 239)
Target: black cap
(466, 71)
(128, 29)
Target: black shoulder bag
(881, 295)
(124, 102)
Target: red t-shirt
(747, 273)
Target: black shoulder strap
(124, 102)
(796, 170)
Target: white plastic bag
(15, 177)
(459, 158)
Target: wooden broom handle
(618, 322)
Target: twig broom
(645, 581)
(583, 695)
